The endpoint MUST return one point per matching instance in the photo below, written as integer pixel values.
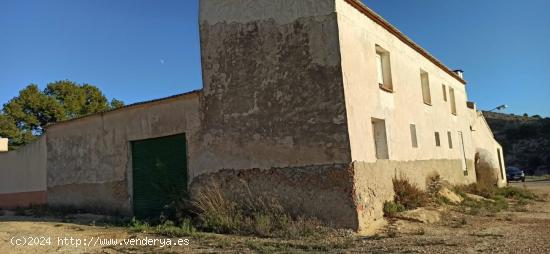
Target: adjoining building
(3, 145)
(121, 161)
(316, 103)
(23, 175)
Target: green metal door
(159, 175)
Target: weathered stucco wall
(273, 94)
(23, 175)
(324, 191)
(274, 117)
(89, 159)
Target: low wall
(373, 183)
(23, 175)
(324, 191)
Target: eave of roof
(127, 107)
(357, 4)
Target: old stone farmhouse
(317, 103)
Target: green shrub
(498, 198)
(166, 228)
(475, 207)
(492, 192)
(139, 226)
(391, 208)
(500, 204)
(440, 200)
(170, 229)
(408, 194)
(516, 193)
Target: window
(453, 102)
(383, 69)
(380, 139)
(414, 139)
(444, 92)
(437, 140)
(450, 140)
(425, 80)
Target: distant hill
(525, 140)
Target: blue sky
(138, 50)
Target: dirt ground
(520, 229)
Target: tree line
(24, 117)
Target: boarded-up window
(453, 101)
(437, 139)
(380, 139)
(450, 138)
(414, 139)
(444, 92)
(426, 94)
(383, 68)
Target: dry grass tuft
(253, 215)
(408, 194)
